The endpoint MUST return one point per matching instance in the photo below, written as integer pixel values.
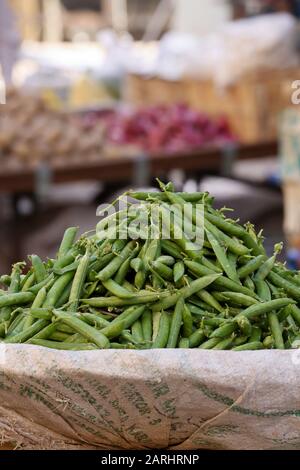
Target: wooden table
(131, 169)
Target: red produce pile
(169, 128)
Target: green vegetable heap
(134, 292)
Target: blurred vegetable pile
(166, 128)
(128, 290)
(31, 133)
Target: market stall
(142, 304)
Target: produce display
(163, 128)
(134, 292)
(31, 133)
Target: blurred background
(106, 95)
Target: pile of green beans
(143, 293)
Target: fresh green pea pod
(37, 303)
(200, 308)
(137, 331)
(225, 330)
(221, 281)
(67, 241)
(167, 260)
(292, 325)
(59, 336)
(184, 343)
(14, 288)
(292, 290)
(118, 245)
(20, 298)
(248, 282)
(161, 339)
(266, 307)
(239, 341)
(256, 248)
(231, 243)
(96, 266)
(40, 313)
(117, 290)
(226, 343)
(210, 265)
(124, 268)
(64, 346)
(178, 271)
(137, 264)
(76, 338)
(176, 323)
(170, 248)
(251, 346)
(151, 252)
(164, 271)
(128, 317)
(157, 281)
(210, 300)
(140, 279)
(57, 289)
(29, 283)
(230, 228)
(113, 266)
(160, 196)
(185, 292)
(64, 297)
(71, 267)
(138, 298)
(85, 330)
(240, 299)
(251, 266)
(276, 330)
(255, 334)
(187, 322)
(26, 279)
(222, 257)
(174, 227)
(196, 338)
(147, 325)
(295, 312)
(263, 290)
(78, 282)
(95, 320)
(47, 283)
(210, 343)
(14, 321)
(62, 328)
(268, 265)
(122, 346)
(44, 333)
(26, 334)
(212, 321)
(38, 268)
(65, 260)
(19, 327)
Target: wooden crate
(252, 106)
